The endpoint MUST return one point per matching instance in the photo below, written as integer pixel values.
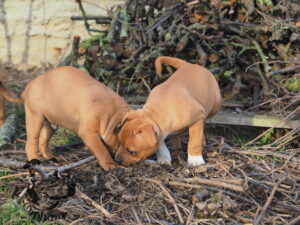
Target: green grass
(14, 214)
(62, 137)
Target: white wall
(35, 32)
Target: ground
(231, 188)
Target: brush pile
(234, 187)
(252, 47)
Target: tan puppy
(5, 95)
(68, 97)
(183, 101)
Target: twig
(233, 187)
(295, 221)
(285, 70)
(136, 216)
(269, 200)
(14, 175)
(170, 198)
(93, 203)
(12, 184)
(195, 186)
(262, 153)
(61, 169)
(4, 152)
(42, 170)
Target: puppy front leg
(163, 153)
(94, 144)
(195, 144)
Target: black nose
(117, 159)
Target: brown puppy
(5, 95)
(183, 101)
(68, 97)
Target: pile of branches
(252, 47)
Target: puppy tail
(175, 62)
(9, 96)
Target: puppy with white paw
(184, 101)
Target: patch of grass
(63, 137)
(14, 214)
(266, 138)
(4, 189)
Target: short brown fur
(68, 97)
(184, 101)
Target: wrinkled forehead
(131, 140)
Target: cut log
(8, 130)
(251, 119)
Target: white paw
(166, 162)
(195, 160)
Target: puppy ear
(118, 127)
(149, 134)
(131, 115)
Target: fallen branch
(43, 170)
(45, 175)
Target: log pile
(252, 47)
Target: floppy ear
(118, 127)
(131, 115)
(149, 134)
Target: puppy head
(138, 138)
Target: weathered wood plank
(250, 119)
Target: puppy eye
(130, 152)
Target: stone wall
(36, 32)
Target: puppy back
(174, 62)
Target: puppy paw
(151, 162)
(109, 166)
(31, 163)
(195, 160)
(164, 162)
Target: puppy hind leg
(195, 144)
(45, 136)
(34, 124)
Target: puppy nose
(117, 159)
